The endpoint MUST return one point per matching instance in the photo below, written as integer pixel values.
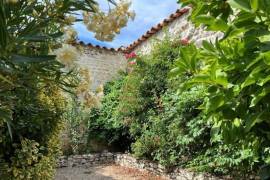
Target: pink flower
(127, 56)
(130, 55)
(184, 41)
(132, 62)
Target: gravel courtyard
(104, 172)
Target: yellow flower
(70, 35)
(107, 25)
(67, 55)
(90, 100)
(100, 88)
(86, 17)
(100, 92)
(70, 19)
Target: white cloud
(148, 14)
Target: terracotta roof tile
(90, 45)
(144, 37)
(156, 29)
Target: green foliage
(30, 161)
(225, 159)
(37, 118)
(32, 84)
(212, 116)
(144, 86)
(236, 72)
(103, 124)
(74, 138)
(188, 62)
(178, 132)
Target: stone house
(104, 63)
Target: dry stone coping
(127, 160)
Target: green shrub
(236, 73)
(75, 132)
(103, 125)
(34, 146)
(32, 83)
(144, 86)
(176, 134)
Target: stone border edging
(127, 160)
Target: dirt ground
(105, 172)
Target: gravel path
(108, 172)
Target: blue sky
(148, 14)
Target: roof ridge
(98, 46)
(155, 29)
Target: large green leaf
(208, 46)
(254, 4)
(254, 76)
(205, 19)
(252, 120)
(240, 4)
(221, 78)
(214, 103)
(258, 96)
(219, 25)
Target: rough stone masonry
(128, 160)
(104, 64)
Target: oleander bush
(32, 84)
(37, 74)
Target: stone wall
(86, 160)
(103, 65)
(128, 160)
(181, 27)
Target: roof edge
(156, 29)
(144, 37)
(90, 45)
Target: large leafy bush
(33, 82)
(144, 86)
(103, 126)
(236, 72)
(178, 132)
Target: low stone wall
(173, 173)
(86, 160)
(129, 161)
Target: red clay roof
(156, 29)
(90, 45)
(148, 34)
